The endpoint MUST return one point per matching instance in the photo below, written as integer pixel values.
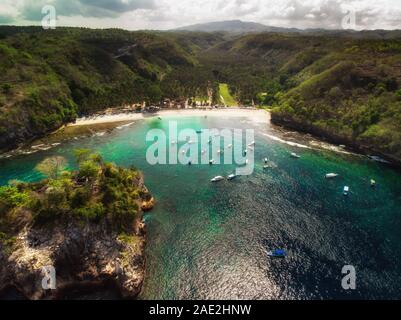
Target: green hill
(344, 89)
(225, 96)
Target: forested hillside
(341, 88)
(344, 87)
(47, 78)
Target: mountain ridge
(234, 26)
(244, 27)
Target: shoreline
(90, 126)
(352, 146)
(258, 115)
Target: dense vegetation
(96, 192)
(344, 86)
(47, 78)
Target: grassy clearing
(225, 95)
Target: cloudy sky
(167, 14)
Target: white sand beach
(256, 115)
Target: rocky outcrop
(148, 205)
(89, 254)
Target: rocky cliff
(74, 231)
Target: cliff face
(90, 255)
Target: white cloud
(165, 14)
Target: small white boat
(266, 160)
(183, 151)
(173, 142)
(231, 177)
(295, 156)
(346, 191)
(246, 161)
(191, 142)
(219, 151)
(378, 159)
(203, 152)
(230, 146)
(251, 144)
(331, 175)
(245, 152)
(217, 179)
(373, 183)
(211, 161)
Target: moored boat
(217, 179)
(277, 253)
(331, 175)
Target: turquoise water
(209, 241)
